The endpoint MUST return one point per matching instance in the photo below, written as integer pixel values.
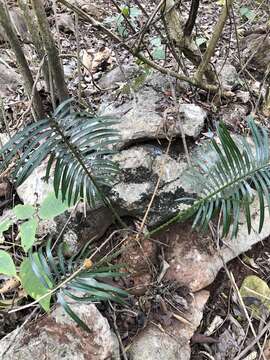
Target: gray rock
(141, 167)
(140, 119)
(234, 114)
(57, 337)
(9, 80)
(65, 22)
(195, 263)
(113, 78)
(194, 118)
(71, 243)
(255, 48)
(34, 189)
(173, 343)
(227, 73)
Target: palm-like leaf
(76, 145)
(230, 183)
(72, 280)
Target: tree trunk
(52, 51)
(36, 39)
(21, 60)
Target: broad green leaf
(159, 53)
(28, 233)
(7, 266)
(32, 285)
(4, 226)
(51, 207)
(24, 212)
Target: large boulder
(57, 337)
(141, 167)
(144, 117)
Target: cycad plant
(76, 279)
(228, 185)
(77, 147)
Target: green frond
(78, 147)
(74, 282)
(239, 172)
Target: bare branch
(191, 18)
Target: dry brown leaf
(93, 60)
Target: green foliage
(230, 183)
(200, 40)
(158, 49)
(119, 21)
(77, 146)
(52, 207)
(7, 266)
(49, 208)
(256, 289)
(70, 279)
(246, 13)
(23, 212)
(32, 284)
(47, 275)
(28, 233)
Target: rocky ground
(183, 302)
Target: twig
(155, 191)
(124, 354)
(148, 23)
(191, 18)
(253, 342)
(78, 57)
(20, 58)
(176, 104)
(34, 87)
(242, 304)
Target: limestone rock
(173, 343)
(140, 118)
(195, 262)
(116, 76)
(256, 48)
(9, 80)
(57, 337)
(141, 167)
(34, 189)
(227, 74)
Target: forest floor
(103, 55)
